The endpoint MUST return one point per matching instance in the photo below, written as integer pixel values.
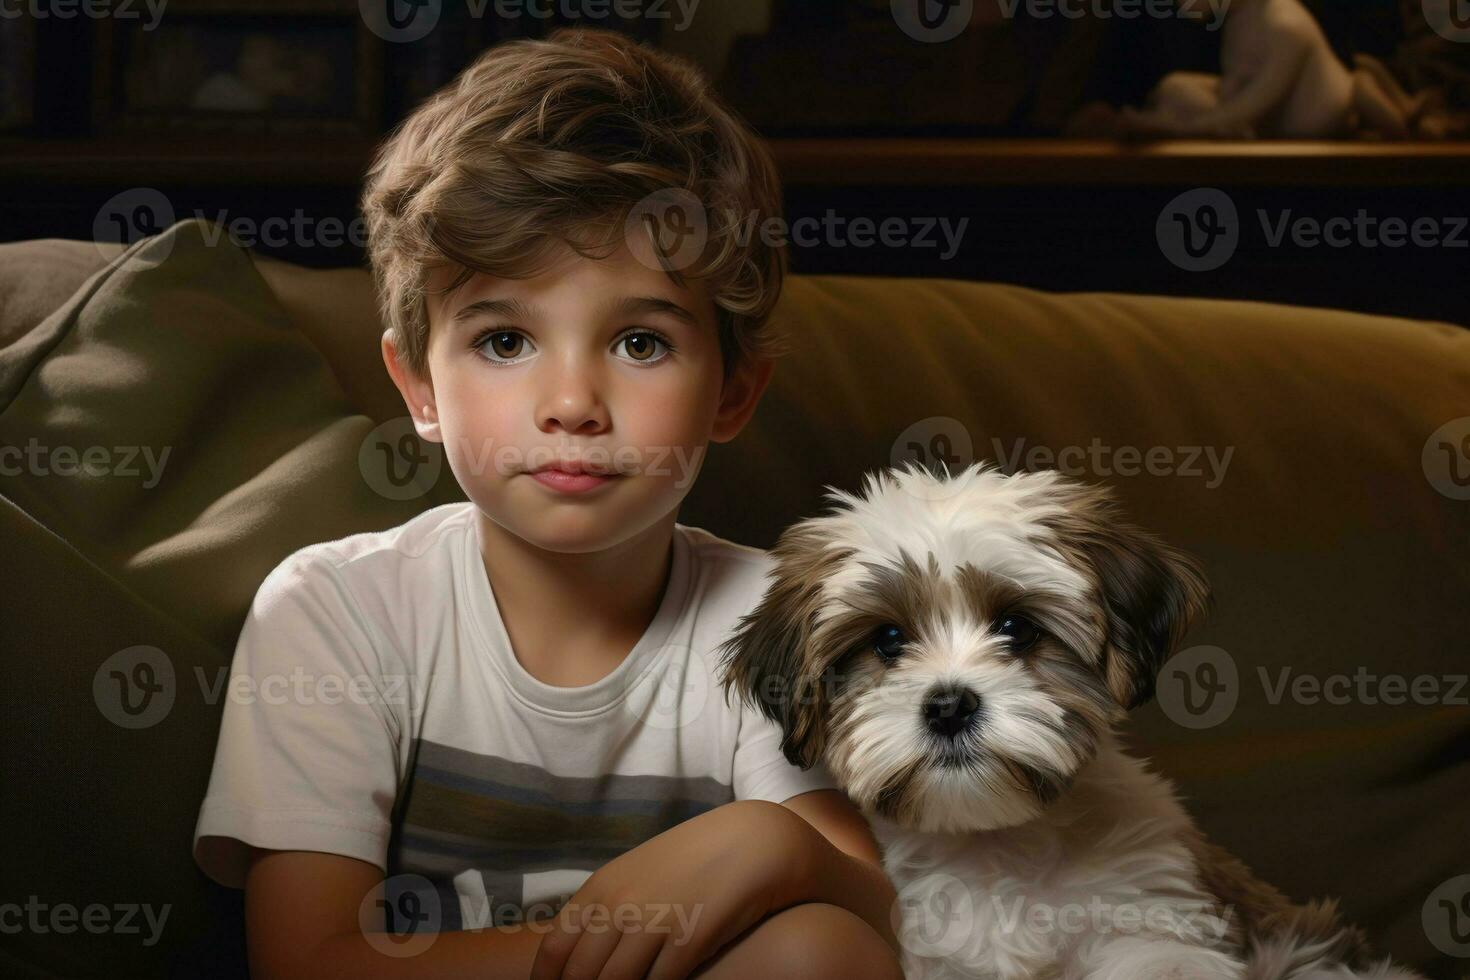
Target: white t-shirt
(376, 710)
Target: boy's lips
(573, 476)
(574, 466)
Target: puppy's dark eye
(1019, 630)
(888, 641)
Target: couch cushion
(335, 309)
(38, 276)
(99, 815)
(169, 437)
(211, 437)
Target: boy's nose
(573, 405)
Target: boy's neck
(572, 618)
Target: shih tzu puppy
(959, 652)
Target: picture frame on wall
(242, 67)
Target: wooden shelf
(1104, 162)
(804, 162)
(198, 160)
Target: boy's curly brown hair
(541, 143)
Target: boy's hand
(663, 908)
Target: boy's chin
(576, 524)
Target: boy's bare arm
(301, 914)
(301, 921)
(855, 881)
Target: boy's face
(607, 362)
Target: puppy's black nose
(950, 710)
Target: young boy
(529, 767)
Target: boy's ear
(417, 392)
(739, 395)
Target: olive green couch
(1318, 463)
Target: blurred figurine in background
(1279, 79)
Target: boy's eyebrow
(512, 308)
(626, 306)
(637, 305)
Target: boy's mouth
(573, 476)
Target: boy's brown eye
(641, 346)
(505, 344)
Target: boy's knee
(815, 939)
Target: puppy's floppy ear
(1152, 592)
(768, 660)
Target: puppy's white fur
(1023, 841)
(1101, 883)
